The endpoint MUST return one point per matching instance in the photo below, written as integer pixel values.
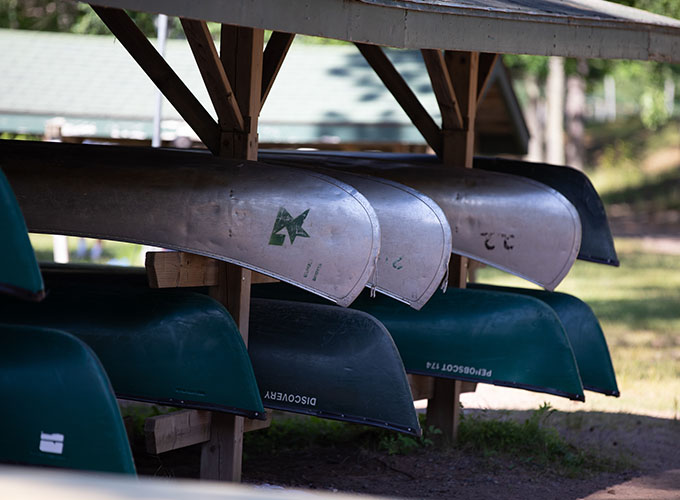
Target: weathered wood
(167, 81)
(443, 89)
(487, 62)
(214, 77)
(181, 269)
(183, 428)
(241, 52)
(443, 409)
(172, 431)
(391, 78)
(459, 144)
(422, 387)
(274, 55)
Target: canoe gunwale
(195, 405)
(344, 417)
(22, 293)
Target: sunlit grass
(113, 252)
(638, 305)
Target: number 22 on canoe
(301, 227)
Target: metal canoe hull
(597, 243)
(585, 335)
(474, 335)
(301, 227)
(169, 347)
(329, 362)
(60, 408)
(415, 236)
(512, 223)
(19, 273)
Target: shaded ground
(642, 453)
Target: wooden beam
(181, 269)
(487, 62)
(443, 89)
(459, 144)
(241, 52)
(176, 430)
(214, 77)
(183, 428)
(274, 55)
(384, 68)
(167, 81)
(443, 409)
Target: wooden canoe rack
(238, 78)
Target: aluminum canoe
(329, 362)
(475, 335)
(19, 273)
(415, 236)
(597, 243)
(301, 227)
(585, 335)
(169, 347)
(515, 224)
(58, 406)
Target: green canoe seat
(169, 347)
(585, 335)
(330, 362)
(19, 272)
(58, 406)
(476, 335)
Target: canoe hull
(19, 273)
(415, 236)
(167, 347)
(329, 362)
(478, 336)
(301, 227)
(60, 409)
(515, 224)
(585, 336)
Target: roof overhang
(572, 28)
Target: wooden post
(241, 61)
(458, 134)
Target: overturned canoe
(597, 243)
(515, 224)
(19, 273)
(167, 347)
(330, 362)
(60, 410)
(585, 335)
(301, 227)
(480, 336)
(415, 237)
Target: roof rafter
(167, 81)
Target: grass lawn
(638, 305)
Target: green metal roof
(94, 84)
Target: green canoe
(585, 335)
(317, 360)
(19, 273)
(59, 408)
(329, 362)
(168, 347)
(476, 335)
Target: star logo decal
(293, 227)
